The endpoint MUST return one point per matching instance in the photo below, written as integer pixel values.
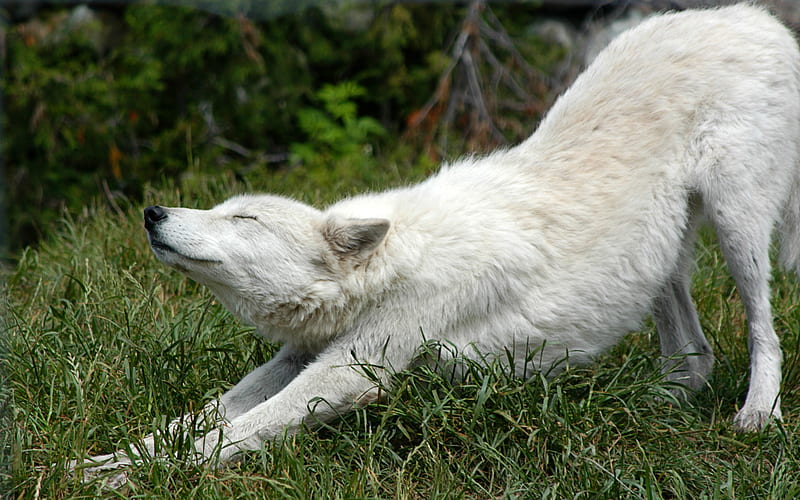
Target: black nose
(153, 215)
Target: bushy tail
(790, 228)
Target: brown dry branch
(485, 92)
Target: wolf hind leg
(747, 254)
(687, 357)
(743, 216)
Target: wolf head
(273, 262)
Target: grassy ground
(102, 344)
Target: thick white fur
(560, 245)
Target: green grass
(102, 344)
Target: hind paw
(751, 420)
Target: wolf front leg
(260, 385)
(329, 387)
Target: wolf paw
(96, 467)
(751, 420)
(114, 481)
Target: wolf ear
(354, 237)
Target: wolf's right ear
(354, 237)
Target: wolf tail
(790, 228)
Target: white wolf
(560, 245)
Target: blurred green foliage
(334, 129)
(101, 102)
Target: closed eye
(250, 217)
